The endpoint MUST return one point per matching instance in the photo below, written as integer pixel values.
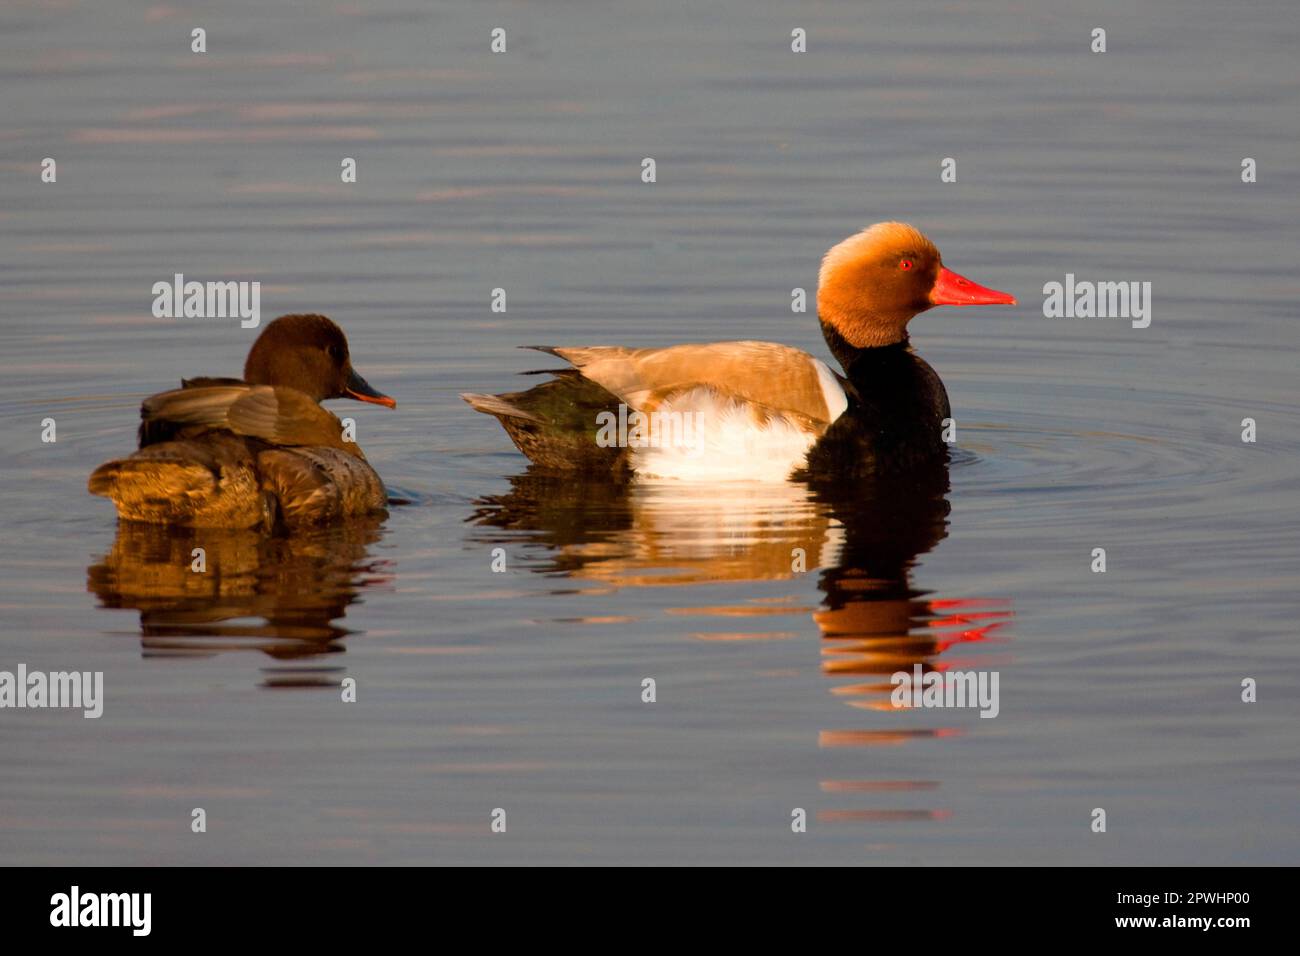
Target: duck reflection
(281, 595)
(873, 622)
(862, 540)
(650, 535)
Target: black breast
(894, 422)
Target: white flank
(726, 443)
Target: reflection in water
(862, 540)
(648, 535)
(282, 595)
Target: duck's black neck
(854, 360)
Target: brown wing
(277, 415)
(777, 377)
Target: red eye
(905, 264)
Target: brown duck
(257, 451)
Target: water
(522, 690)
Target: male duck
(759, 410)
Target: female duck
(759, 410)
(256, 452)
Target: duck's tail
(555, 424)
(498, 406)
(162, 490)
(173, 490)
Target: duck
(253, 452)
(750, 410)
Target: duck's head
(309, 353)
(872, 284)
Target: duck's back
(222, 453)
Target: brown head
(309, 353)
(872, 284)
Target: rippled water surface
(521, 690)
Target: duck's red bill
(952, 289)
(358, 388)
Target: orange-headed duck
(256, 452)
(759, 410)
